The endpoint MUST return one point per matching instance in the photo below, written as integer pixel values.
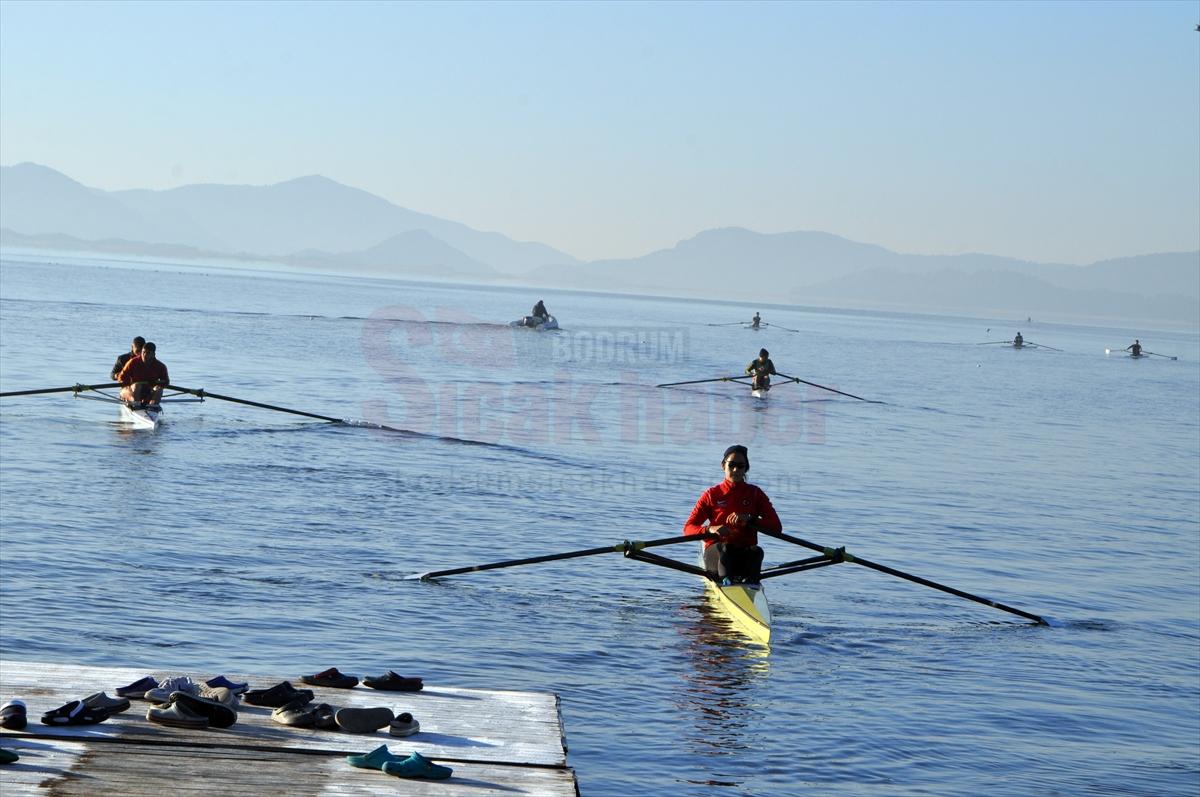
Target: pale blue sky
(1051, 131)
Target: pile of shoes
(208, 707)
(180, 702)
(295, 707)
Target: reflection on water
(719, 690)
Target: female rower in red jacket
(733, 510)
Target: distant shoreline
(218, 262)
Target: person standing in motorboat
(733, 510)
(761, 369)
(143, 378)
(135, 350)
(540, 314)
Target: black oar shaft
(72, 389)
(663, 561)
(808, 561)
(532, 560)
(699, 381)
(813, 564)
(891, 571)
(944, 588)
(205, 394)
(622, 547)
(830, 389)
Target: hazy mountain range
(314, 222)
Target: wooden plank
(476, 725)
(87, 768)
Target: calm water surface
(239, 539)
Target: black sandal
(74, 713)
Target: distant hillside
(317, 223)
(308, 213)
(409, 253)
(35, 200)
(995, 294)
(69, 243)
(816, 268)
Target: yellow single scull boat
(746, 605)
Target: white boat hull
(147, 418)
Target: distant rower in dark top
(135, 350)
(734, 510)
(761, 368)
(1135, 348)
(1018, 341)
(143, 378)
(756, 321)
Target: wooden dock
(497, 742)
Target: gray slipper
(363, 720)
(176, 715)
(302, 714)
(109, 705)
(403, 725)
(218, 714)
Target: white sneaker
(178, 683)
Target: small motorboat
(537, 322)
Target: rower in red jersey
(143, 378)
(734, 510)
